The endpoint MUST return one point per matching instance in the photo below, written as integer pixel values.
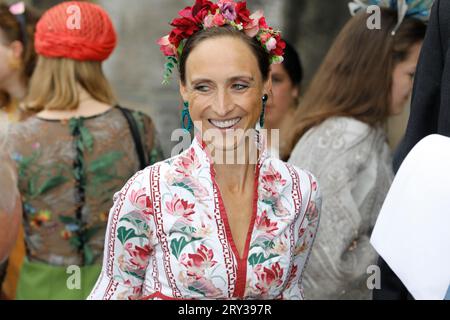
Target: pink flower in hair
(228, 9)
(271, 44)
(216, 20)
(258, 22)
(167, 47)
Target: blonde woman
(74, 153)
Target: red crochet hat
(76, 30)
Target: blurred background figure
(286, 87)
(17, 62)
(74, 153)
(339, 135)
(10, 207)
(17, 56)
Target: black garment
(430, 114)
(430, 108)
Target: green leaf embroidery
(255, 259)
(177, 245)
(184, 186)
(136, 220)
(263, 241)
(51, 184)
(87, 139)
(125, 234)
(106, 161)
(196, 290)
(32, 185)
(134, 274)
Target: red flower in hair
(202, 8)
(243, 14)
(206, 14)
(183, 29)
(281, 45)
(191, 21)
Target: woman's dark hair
(12, 29)
(293, 65)
(260, 53)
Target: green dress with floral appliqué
(68, 173)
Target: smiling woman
(191, 228)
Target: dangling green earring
(186, 120)
(263, 114)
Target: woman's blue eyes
(237, 86)
(201, 88)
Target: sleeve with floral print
(128, 246)
(306, 228)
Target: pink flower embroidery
(139, 255)
(272, 181)
(292, 276)
(264, 224)
(197, 263)
(141, 201)
(187, 164)
(312, 213)
(136, 291)
(180, 208)
(268, 277)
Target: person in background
(17, 56)
(10, 208)
(430, 111)
(17, 63)
(74, 153)
(339, 136)
(286, 88)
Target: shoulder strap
(136, 136)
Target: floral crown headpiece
(206, 14)
(419, 9)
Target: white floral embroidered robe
(168, 236)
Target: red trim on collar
(241, 281)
